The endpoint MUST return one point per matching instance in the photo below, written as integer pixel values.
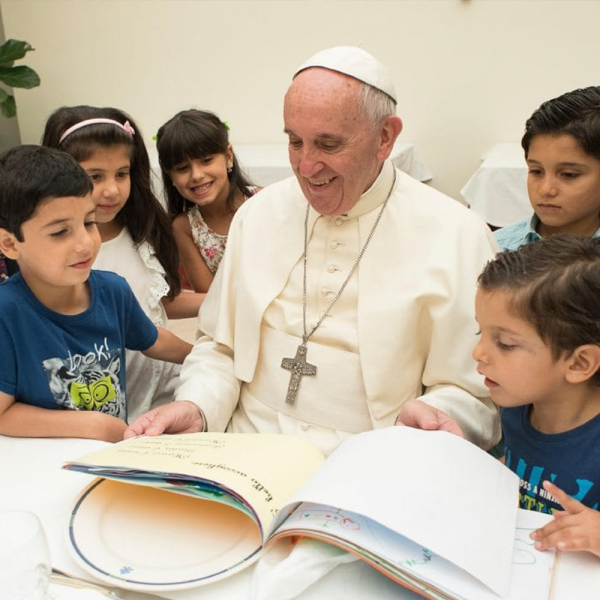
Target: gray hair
(375, 104)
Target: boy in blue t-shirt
(539, 351)
(63, 327)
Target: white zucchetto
(356, 63)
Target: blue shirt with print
(570, 460)
(58, 361)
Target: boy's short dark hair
(554, 285)
(575, 113)
(31, 174)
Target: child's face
(60, 243)
(563, 185)
(203, 180)
(108, 168)
(517, 365)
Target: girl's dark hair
(575, 113)
(194, 134)
(143, 214)
(554, 284)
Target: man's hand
(175, 417)
(575, 528)
(416, 413)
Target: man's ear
(390, 130)
(8, 244)
(583, 363)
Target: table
(31, 479)
(497, 191)
(268, 163)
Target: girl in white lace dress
(204, 186)
(137, 239)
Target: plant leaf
(8, 107)
(13, 50)
(22, 77)
(3, 95)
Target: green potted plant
(19, 76)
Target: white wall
(468, 72)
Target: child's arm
(184, 305)
(196, 270)
(575, 528)
(168, 347)
(24, 420)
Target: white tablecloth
(497, 191)
(268, 163)
(31, 479)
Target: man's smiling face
(334, 150)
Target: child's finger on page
(569, 504)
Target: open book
(430, 510)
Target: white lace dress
(150, 383)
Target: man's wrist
(201, 414)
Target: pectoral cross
(299, 368)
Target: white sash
(335, 397)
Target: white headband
(126, 127)
(356, 63)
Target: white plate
(140, 538)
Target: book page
(265, 470)
(531, 571)
(434, 488)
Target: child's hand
(105, 427)
(575, 528)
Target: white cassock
(403, 328)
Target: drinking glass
(24, 557)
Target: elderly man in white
(345, 298)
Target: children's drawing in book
(428, 509)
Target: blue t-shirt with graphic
(75, 362)
(570, 460)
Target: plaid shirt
(519, 234)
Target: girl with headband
(204, 186)
(137, 239)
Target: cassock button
(331, 269)
(334, 245)
(304, 426)
(338, 222)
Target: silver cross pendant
(299, 368)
